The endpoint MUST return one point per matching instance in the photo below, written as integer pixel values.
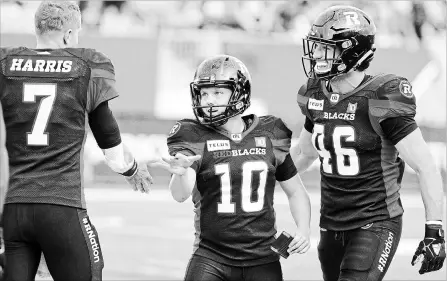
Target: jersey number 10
(247, 169)
(344, 168)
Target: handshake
(140, 179)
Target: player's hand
(431, 250)
(141, 180)
(177, 164)
(300, 243)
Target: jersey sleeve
(302, 100)
(281, 148)
(102, 79)
(185, 138)
(393, 110)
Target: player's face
(324, 55)
(214, 96)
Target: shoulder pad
(282, 131)
(187, 137)
(4, 52)
(306, 91)
(185, 130)
(309, 85)
(396, 89)
(94, 59)
(276, 126)
(394, 98)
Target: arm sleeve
(286, 170)
(397, 128)
(308, 125)
(104, 127)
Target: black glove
(431, 249)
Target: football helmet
(226, 72)
(344, 28)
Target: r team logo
(406, 89)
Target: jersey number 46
(347, 160)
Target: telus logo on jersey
(386, 252)
(92, 238)
(215, 145)
(316, 104)
(41, 65)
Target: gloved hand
(139, 178)
(431, 250)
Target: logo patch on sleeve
(406, 89)
(174, 129)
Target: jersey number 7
(37, 136)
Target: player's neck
(47, 43)
(346, 83)
(234, 125)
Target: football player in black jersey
(362, 129)
(46, 95)
(230, 164)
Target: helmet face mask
(221, 72)
(324, 66)
(343, 29)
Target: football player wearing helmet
(230, 164)
(46, 94)
(362, 129)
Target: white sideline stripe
(116, 225)
(123, 195)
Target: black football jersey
(46, 95)
(236, 178)
(361, 171)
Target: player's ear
(67, 36)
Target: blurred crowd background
(156, 46)
(399, 20)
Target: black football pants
(204, 269)
(362, 254)
(64, 234)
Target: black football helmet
(345, 28)
(225, 72)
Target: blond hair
(56, 16)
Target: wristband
(132, 170)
